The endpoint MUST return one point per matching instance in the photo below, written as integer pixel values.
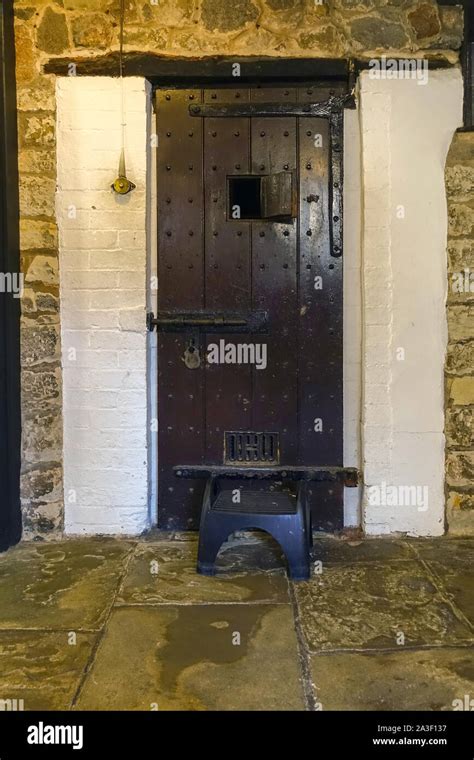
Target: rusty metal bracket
(349, 476)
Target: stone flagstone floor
(104, 624)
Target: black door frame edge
(466, 61)
(10, 413)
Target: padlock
(191, 356)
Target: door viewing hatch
(250, 293)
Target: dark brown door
(250, 294)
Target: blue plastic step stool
(285, 516)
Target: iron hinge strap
(324, 108)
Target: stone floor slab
(42, 668)
(331, 550)
(457, 579)
(165, 573)
(444, 549)
(68, 584)
(451, 561)
(188, 658)
(406, 680)
(367, 606)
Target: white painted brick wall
(103, 270)
(406, 131)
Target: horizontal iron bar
(197, 321)
(324, 108)
(349, 476)
(209, 321)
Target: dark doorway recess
(10, 434)
(467, 61)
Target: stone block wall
(83, 28)
(460, 359)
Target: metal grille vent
(251, 448)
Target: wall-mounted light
(122, 184)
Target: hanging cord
(122, 185)
(122, 96)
